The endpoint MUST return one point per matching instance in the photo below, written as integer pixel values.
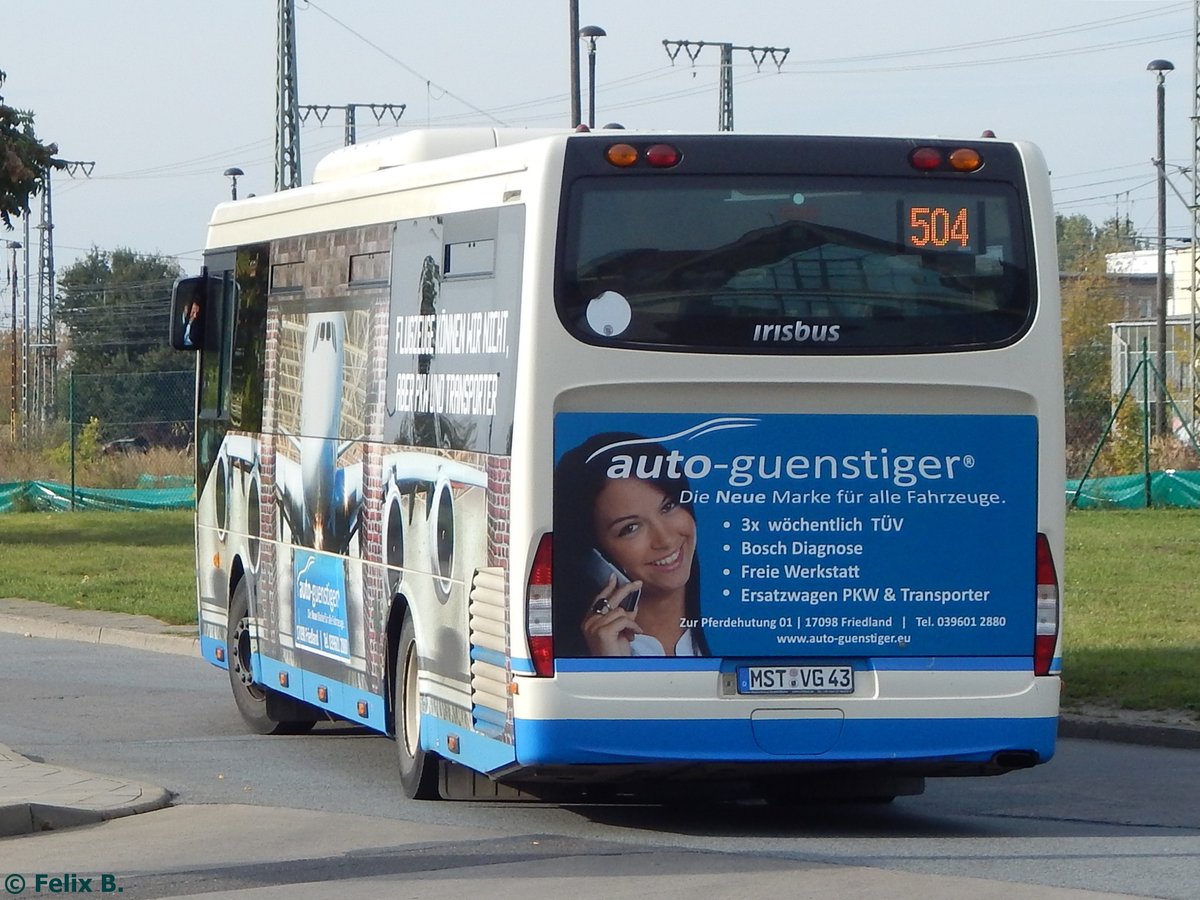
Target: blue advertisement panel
(319, 600)
(831, 536)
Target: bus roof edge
(419, 146)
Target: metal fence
(147, 418)
(115, 440)
(1113, 430)
(130, 431)
(132, 412)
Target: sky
(164, 95)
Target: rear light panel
(539, 625)
(656, 156)
(1045, 637)
(946, 159)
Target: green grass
(132, 562)
(1132, 630)
(1132, 619)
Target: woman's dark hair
(579, 477)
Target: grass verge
(131, 562)
(1132, 629)
(1132, 619)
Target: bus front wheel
(418, 769)
(264, 710)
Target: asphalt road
(1100, 817)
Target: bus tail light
(965, 159)
(663, 156)
(622, 155)
(925, 158)
(538, 622)
(1046, 629)
(961, 159)
(658, 156)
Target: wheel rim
(241, 661)
(412, 716)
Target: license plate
(796, 679)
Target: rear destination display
(843, 535)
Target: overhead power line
(379, 111)
(1012, 39)
(429, 82)
(777, 55)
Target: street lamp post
(14, 246)
(573, 15)
(591, 32)
(232, 174)
(1161, 67)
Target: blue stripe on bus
(514, 664)
(208, 650)
(954, 664)
(880, 664)
(483, 654)
(489, 716)
(617, 741)
(639, 664)
(475, 750)
(343, 699)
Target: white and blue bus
(639, 459)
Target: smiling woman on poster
(625, 556)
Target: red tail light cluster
(538, 607)
(658, 156)
(960, 159)
(1045, 637)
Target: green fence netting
(48, 495)
(1172, 487)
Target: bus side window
(248, 346)
(217, 349)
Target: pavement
(39, 796)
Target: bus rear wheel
(264, 710)
(418, 769)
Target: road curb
(98, 634)
(1092, 729)
(31, 818)
(38, 796)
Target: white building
(1130, 337)
(1145, 262)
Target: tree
(1082, 244)
(1089, 304)
(24, 161)
(115, 308)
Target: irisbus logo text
(799, 332)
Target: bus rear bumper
(816, 739)
(981, 717)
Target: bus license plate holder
(837, 678)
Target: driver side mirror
(188, 298)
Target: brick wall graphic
(348, 273)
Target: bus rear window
(801, 265)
